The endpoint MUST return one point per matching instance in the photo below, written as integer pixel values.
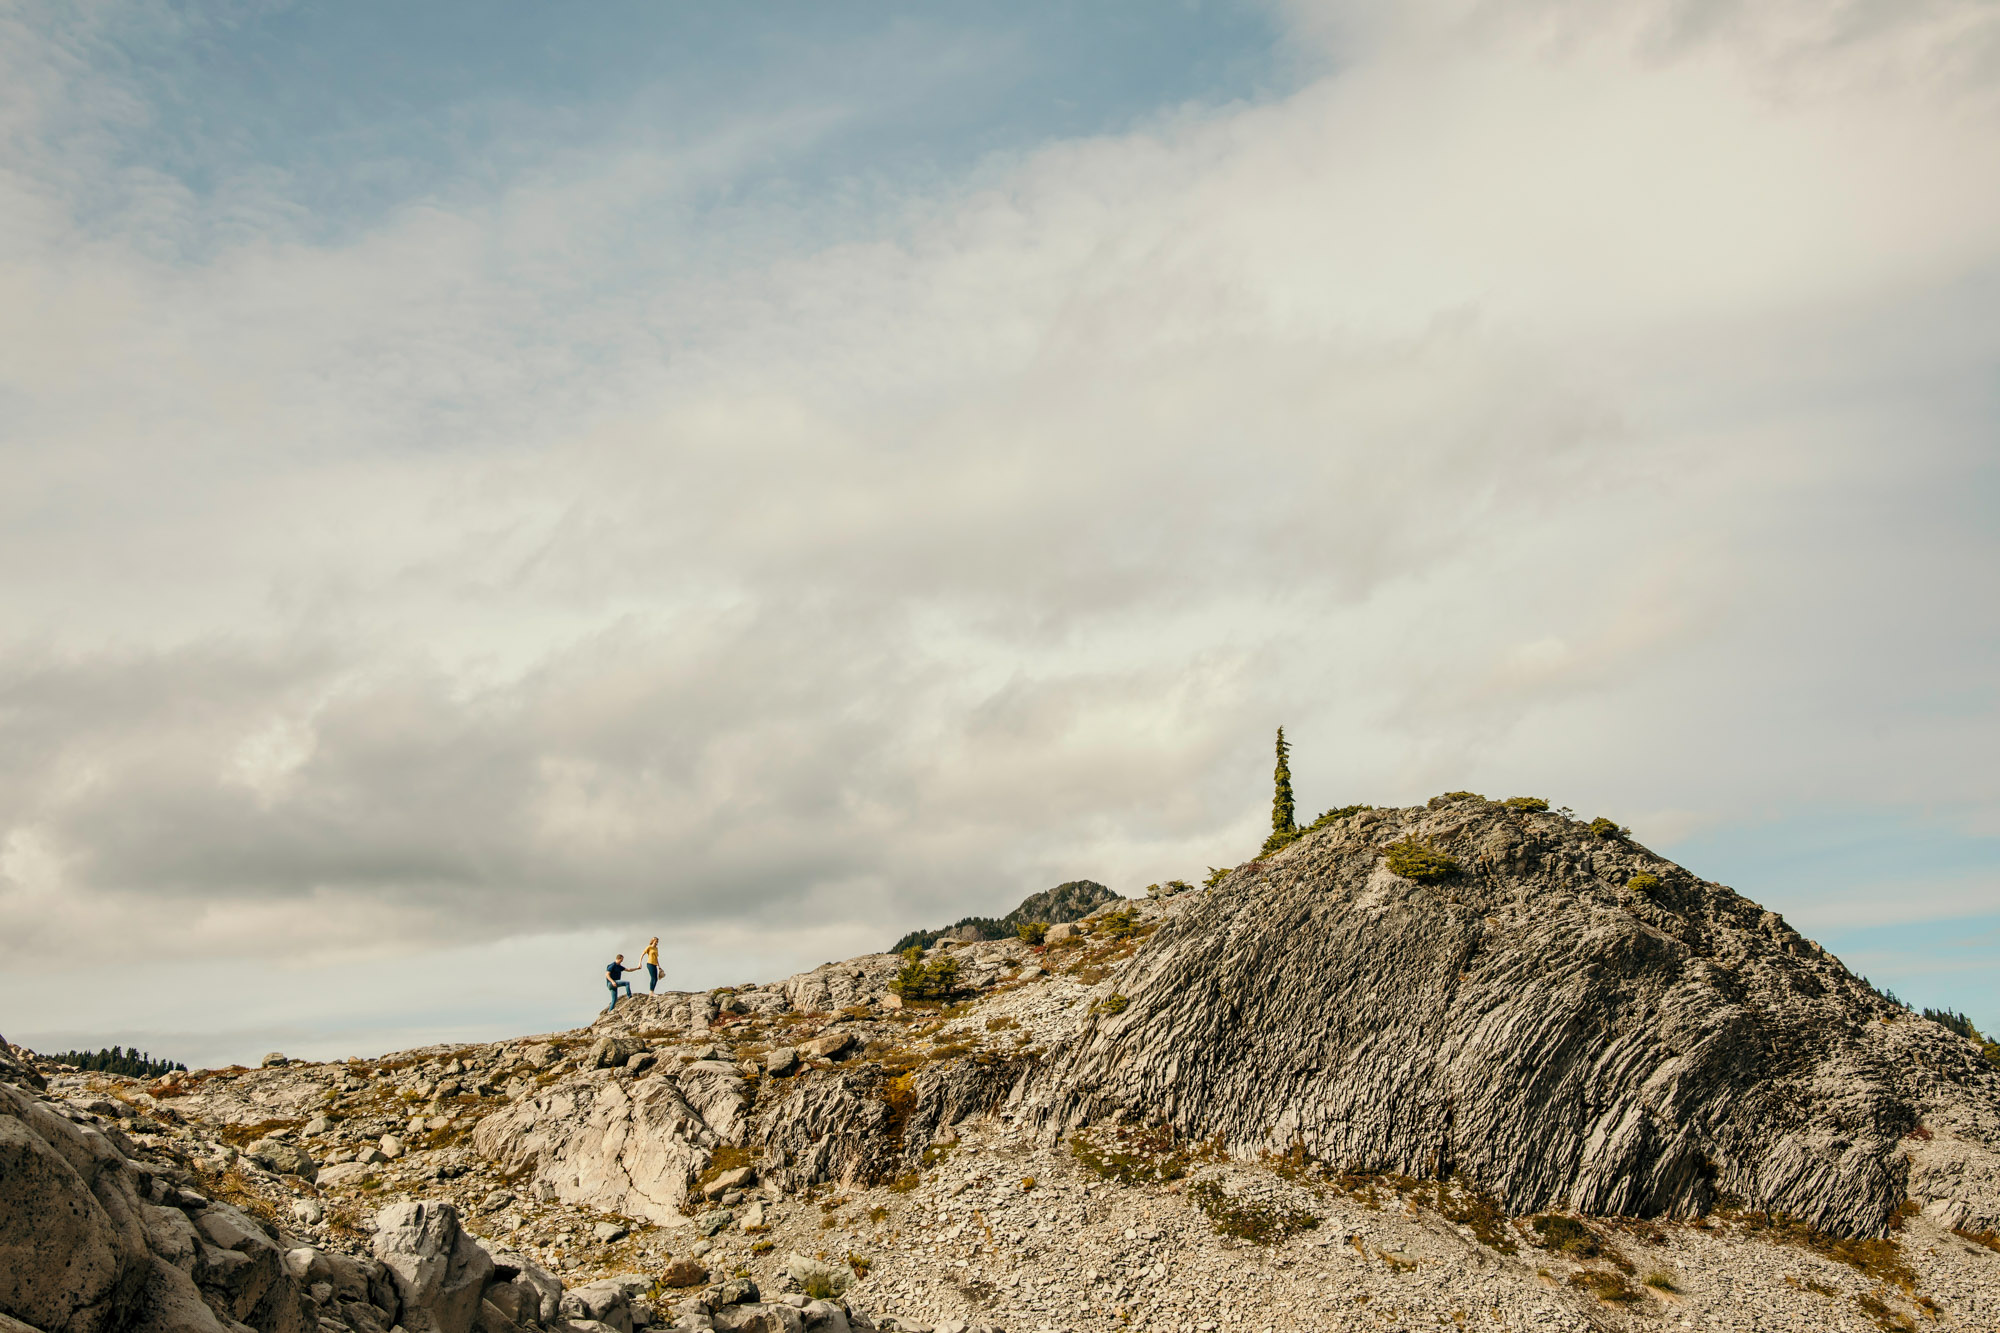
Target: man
(613, 975)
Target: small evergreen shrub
(1116, 925)
(1419, 861)
(1527, 804)
(1643, 882)
(1608, 828)
(919, 980)
(1216, 874)
(1259, 1224)
(822, 1282)
(1032, 932)
(1567, 1235)
(1112, 1004)
(1606, 1286)
(1334, 816)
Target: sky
(487, 484)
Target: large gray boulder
(613, 1052)
(70, 1260)
(608, 1302)
(759, 1318)
(440, 1269)
(82, 1251)
(530, 1296)
(287, 1159)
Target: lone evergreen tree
(1284, 815)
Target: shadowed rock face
(1559, 1038)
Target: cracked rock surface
(1539, 1093)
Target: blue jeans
(614, 987)
(652, 976)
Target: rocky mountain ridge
(1071, 901)
(1461, 1063)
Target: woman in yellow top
(652, 962)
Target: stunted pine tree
(1284, 813)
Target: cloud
(1531, 399)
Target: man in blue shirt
(612, 975)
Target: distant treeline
(118, 1060)
(1962, 1025)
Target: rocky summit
(1468, 1065)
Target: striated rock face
(621, 1144)
(1560, 1038)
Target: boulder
(171, 1236)
(440, 1269)
(1068, 930)
(684, 1273)
(829, 1046)
(604, 1302)
(782, 1061)
(241, 1272)
(171, 1303)
(739, 1178)
(344, 1173)
(287, 1159)
(72, 1243)
(758, 1319)
(613, 1052)
(532, 1295)
(817, 1274)
(824, 1317)
(275, 1060)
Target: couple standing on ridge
(614, 972)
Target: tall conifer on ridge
(1284, 814)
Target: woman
(652, 962)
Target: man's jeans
(613, 987)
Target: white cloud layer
(1534, 399)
